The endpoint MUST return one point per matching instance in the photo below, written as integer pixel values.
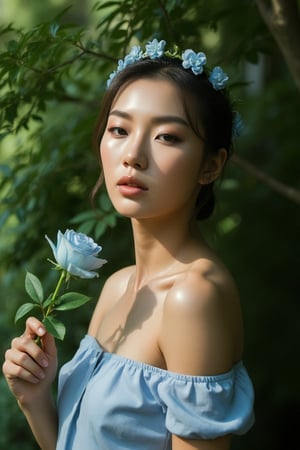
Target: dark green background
(52, 80)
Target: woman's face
(152, 160)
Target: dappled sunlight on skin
(137, 315)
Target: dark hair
(206, 108)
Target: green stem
(63, 275)
(61, 279)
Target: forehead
(151, 96)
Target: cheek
(106, 164)
(106, 154)
(182, 168)
(102, 155)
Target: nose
(135, 157)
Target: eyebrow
(155, 120)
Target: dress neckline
(164, 372)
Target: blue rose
(218, 78)
(77, 254)
(155, 49)
(194, 61)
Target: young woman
(161, 366)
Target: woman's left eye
(168, 138)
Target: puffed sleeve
(208, 407)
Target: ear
(212, 167)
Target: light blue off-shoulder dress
(108, 402)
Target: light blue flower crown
(190, 60)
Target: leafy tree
(52, 78)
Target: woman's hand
(29, 368)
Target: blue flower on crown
(155, 49)
(135, 55)
(194, 61)
(121, 65)
(218, 78)
(111, 77)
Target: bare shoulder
(202, 321)
(119, 279)
(112, 290)
(206, 287)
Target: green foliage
(24, 310)
(52, 78)
(96, 220)
(55, 327)
(34, 288)
(71, 300)
(48, 307)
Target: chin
(127, 211)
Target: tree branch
(283, 20)
(66, 63)
(167, 18)
(284, 190)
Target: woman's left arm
(222, 443)
(201, 335)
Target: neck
(160, 246)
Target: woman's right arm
(30, 370)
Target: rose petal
(78, 272)
(54, 249)
(64, 252)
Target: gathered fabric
(107, 401)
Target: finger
(24, 345)
(22, 368)
(34, 327)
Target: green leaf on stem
(55, 327)
(71, 300)
(24, 309)
(47, 301)
(34, 288)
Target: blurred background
(55, 57)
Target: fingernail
(41, 330)
(44, 363)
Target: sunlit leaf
(55, 327)
(24, 309)
(71, 300)
(34, 288)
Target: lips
(132, 182)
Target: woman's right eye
(117, 131)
